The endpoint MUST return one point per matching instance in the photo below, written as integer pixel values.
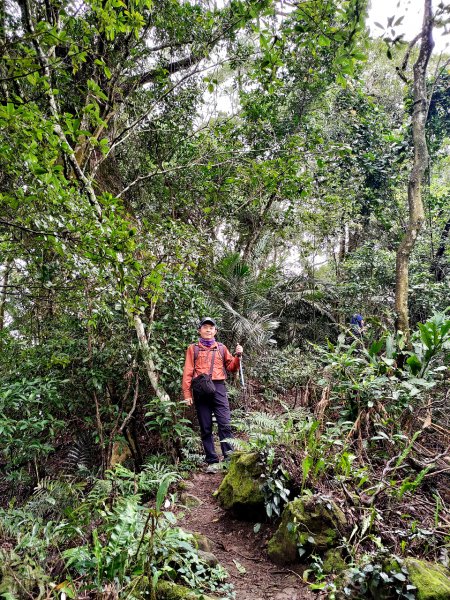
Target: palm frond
(256, 329)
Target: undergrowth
(371, 436)
(376, 442)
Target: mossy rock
(431, 579)
(333, 561)
(314, 522)
(189, 500)
(167, 590)
(201, 542)
(240, 489)
(208, 557)
(185, 484)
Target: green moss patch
(333, 561)
(431, 580)
(240, 489)
(312, 522)
(167, 590)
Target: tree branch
(401, 70)
(65, 146)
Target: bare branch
(411, 45)
(133, 408)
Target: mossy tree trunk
(420, 163)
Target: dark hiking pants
(206, 407)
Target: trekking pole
(241, 372)
(241, 377)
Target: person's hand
(239, 350)
(188, 401)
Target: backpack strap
(196, 351)
(211, 368)
(222, 354)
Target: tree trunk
(3, 70)
(258, 229)
(354, 238)
(420, 163)
(3, 292)
(148, 361)
(342, 251)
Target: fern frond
(299, 414)
(126, 516)
(83, 455)
(100, 492)
(14, 521)
(51, 497)
(147, 481)
(238, 444)
(264, 421)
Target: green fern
(10, 521)
(21, 577)
(52, 497)
(83, 457)
(111, 554)
(263, 430)
(93, 504)
(100, 492)
(265, 421)
(145, 482)
(239, 445)
(192, 453)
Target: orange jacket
(203, 365)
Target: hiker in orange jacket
(203, 384)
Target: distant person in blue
(357, 325)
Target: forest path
(238, 548)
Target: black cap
(207, 320)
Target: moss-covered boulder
(333, 562)
(315, 523)
(189, 500)
(208, 557)
(167, 590)
(201, 542)
(240, 489)
(431, 579)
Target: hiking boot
(213, 468)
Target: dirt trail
(239, 548)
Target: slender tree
(420, 163)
